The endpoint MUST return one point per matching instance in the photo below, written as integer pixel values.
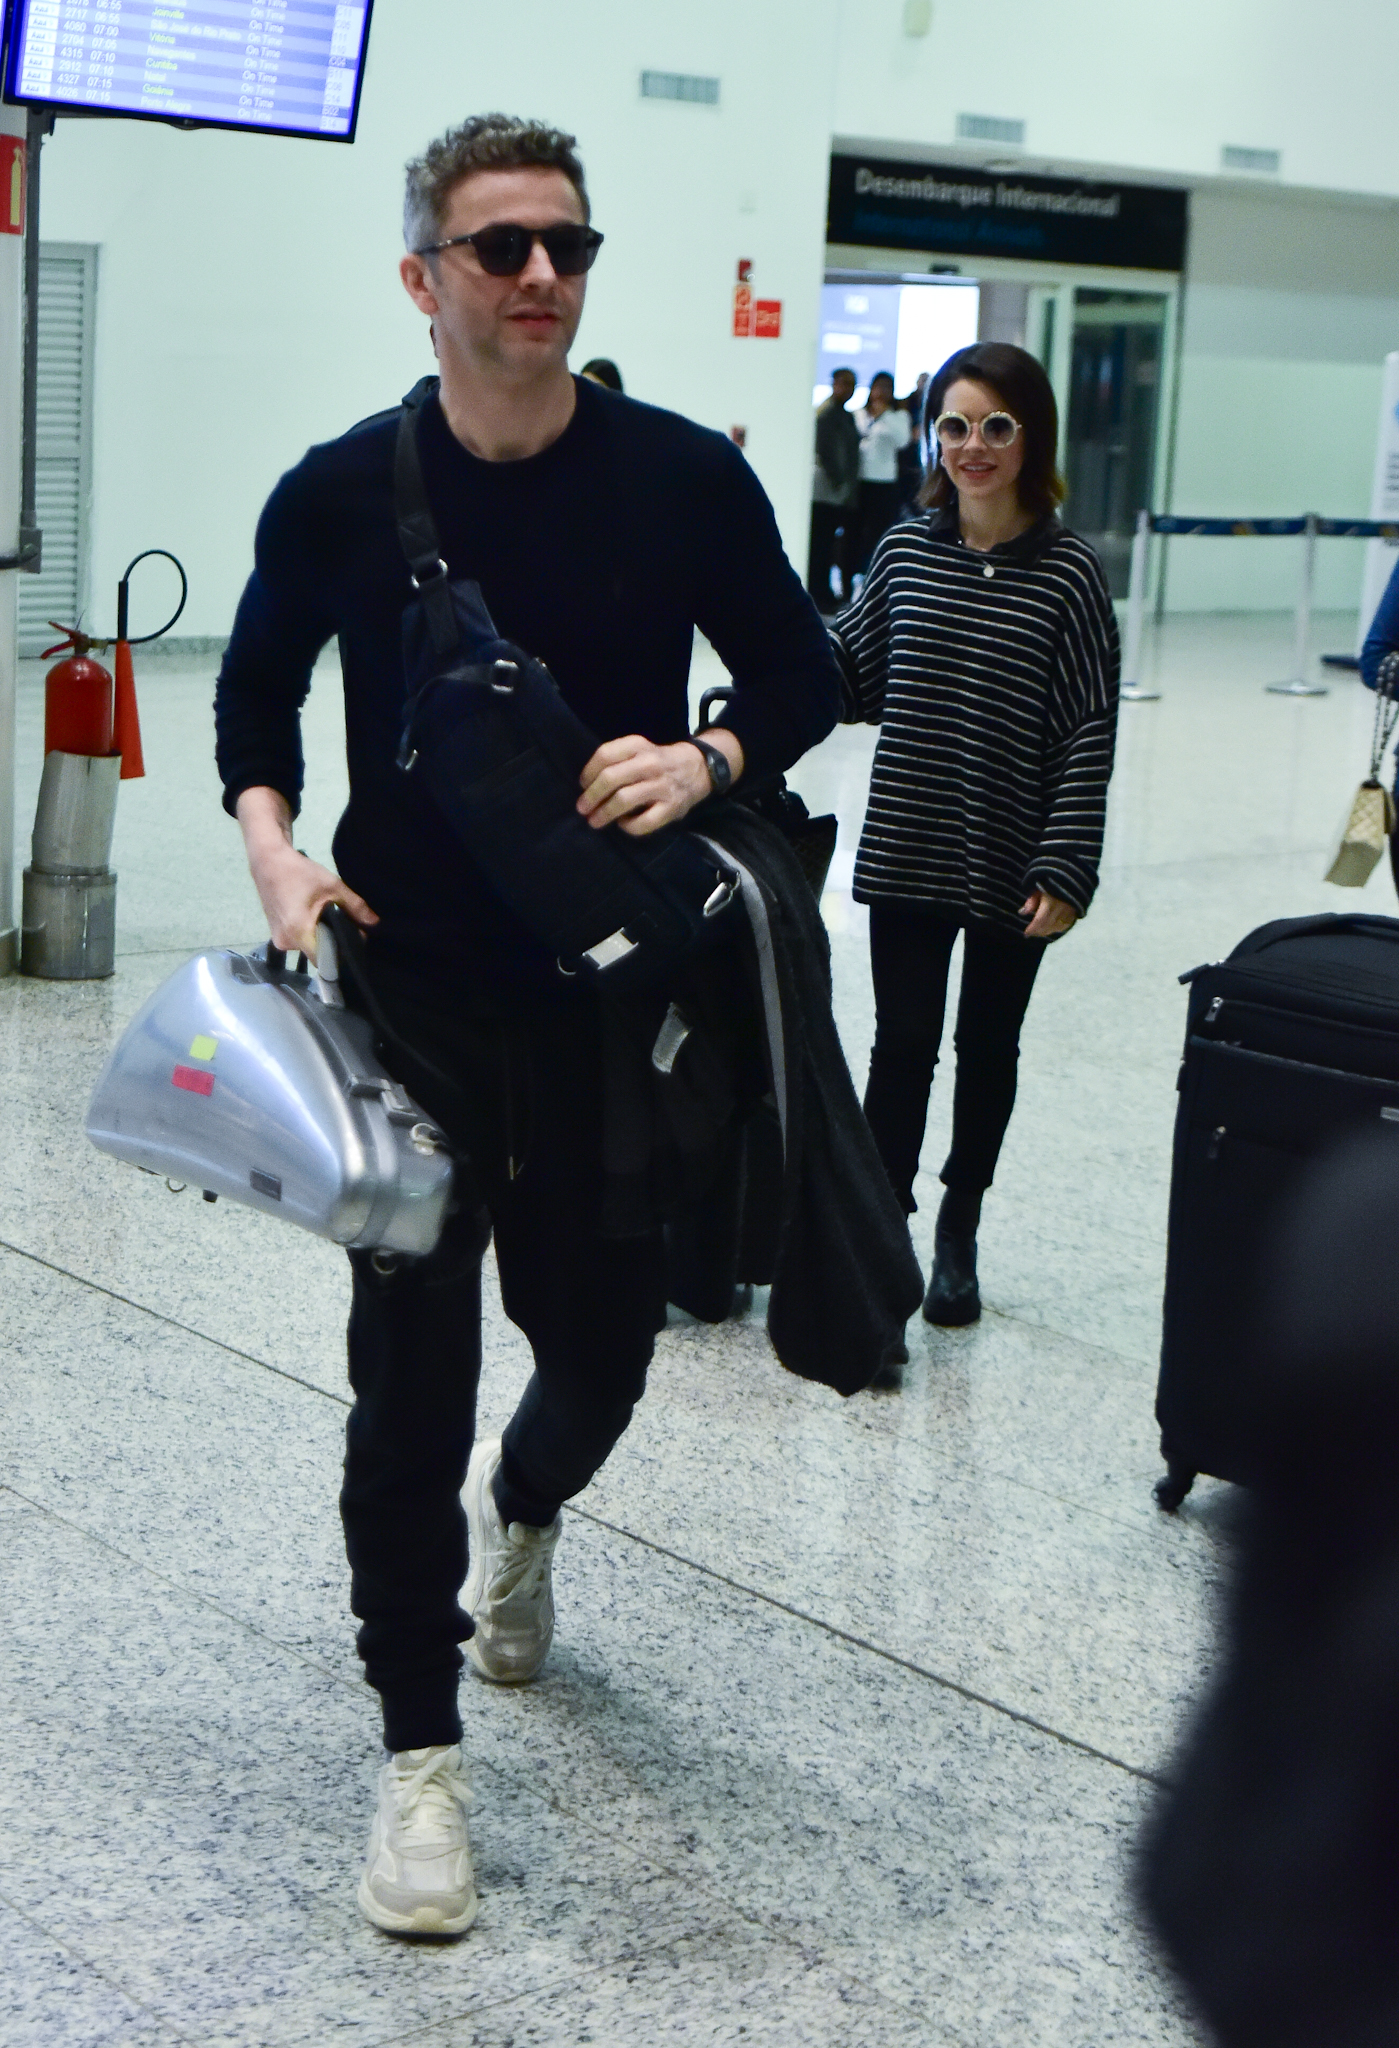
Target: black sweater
(600, 556)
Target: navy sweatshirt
(600, 556)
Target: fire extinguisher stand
(69, 916)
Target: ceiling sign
(953, 209)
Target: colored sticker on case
(202, 1048)
(191, 1078)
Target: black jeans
(529, 1092)
(832, 546)
(879, 508)
(910, 952)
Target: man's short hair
(844, 373)
(487, 142)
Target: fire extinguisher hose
(126, 721)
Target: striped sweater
(993, 679)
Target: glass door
(1048, 327)
(1116, 373)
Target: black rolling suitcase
(1291, 1047)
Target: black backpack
(487, 728)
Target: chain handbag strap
(1386, 709)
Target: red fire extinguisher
(86, 710)
(77, 697)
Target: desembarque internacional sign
(947, 208)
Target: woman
(884, 429)
(984, 646)
(910, 464)
(1379, 670)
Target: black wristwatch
(721, 775)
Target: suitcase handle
(277, 961)
(719, 694)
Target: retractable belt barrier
(1310, 525)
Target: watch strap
(718, 764)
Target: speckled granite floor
(853, 1706)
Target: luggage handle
(277, 961)
(720, 693)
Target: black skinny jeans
(910, 952)
(879, 509)
(529, 1088)
(833, 545)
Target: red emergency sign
(11, 184)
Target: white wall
(1125, 83)
(1292, 296)
(248, 296)
(1291, 306)
(248, 302)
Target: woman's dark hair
(603, 370)
(1015, 377)
(888, 377)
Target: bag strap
(417, 529)
(1386, 711)
(350, 960)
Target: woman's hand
(1049, 915)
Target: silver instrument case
(251, 1080)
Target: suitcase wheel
(1168, 1493)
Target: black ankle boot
(952, 1298)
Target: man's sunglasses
(954, 429)
(503, 249)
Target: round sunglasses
(954, 429)
(504, 248)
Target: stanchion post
(1134, 690)
(1297, 684)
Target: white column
(1297, 684)
(12, 122)
(1134, 690)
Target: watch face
(720, 773)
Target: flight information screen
(292, 67)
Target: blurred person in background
(603, 371)
(885, 430)
(1379, 670)
(1270, 1867)
(911, 472)
(984, 646)
(834, 493)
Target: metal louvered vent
(989, 128)
(679, 85)
(63, 453)
(1268, 162)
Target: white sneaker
(509, 1590)
(417, 1873)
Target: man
(835, 487)
(602, 533)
